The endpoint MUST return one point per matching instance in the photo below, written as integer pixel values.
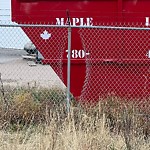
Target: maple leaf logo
(45, 35)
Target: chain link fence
(117, 75)
(118, 63)
(116, 83)
(31, 86)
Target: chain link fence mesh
(118, 63)
(27, 82)
(116, 82)
(52, 52)
(118, 77)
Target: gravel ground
(16, 71)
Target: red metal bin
(118, 70)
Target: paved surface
(16, 71)
(8, 55)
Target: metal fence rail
(103, 26)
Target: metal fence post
(68, 69)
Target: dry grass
(68, 137)
(36, 119)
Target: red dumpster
(103, 60)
